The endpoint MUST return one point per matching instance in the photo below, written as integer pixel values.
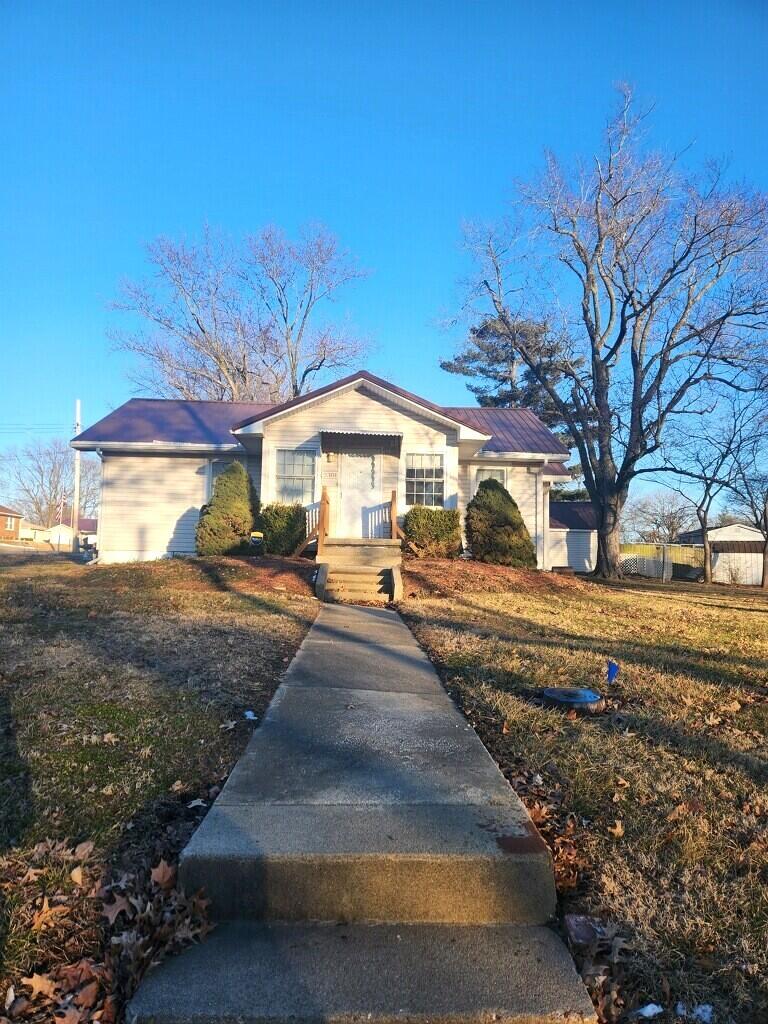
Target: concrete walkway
(368, 857)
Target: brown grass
(114, 686)
(678, 759)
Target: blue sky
(389, 122)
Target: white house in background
(60, 534)
(573, 535)
(360, 439)
(732, 532)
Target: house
(32, 532)
(10, 522)
(365, 443)
(733, 532)
(60, 534)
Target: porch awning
(334, 440)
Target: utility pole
(76, 495)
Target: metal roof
(512, 430)
(572, 515)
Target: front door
(360, 504)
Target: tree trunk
(764, 583)
(704, 524)
(609, 540)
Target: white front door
(360, 505)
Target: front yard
(123, 694)
(657, 810)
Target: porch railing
(320, 532)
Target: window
(295, 475)
(9, 523)
(491, 474)
(424, 480)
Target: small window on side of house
(424, 480)
(9, 523)
(491, 474)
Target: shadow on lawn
(15, 797)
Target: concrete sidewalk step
(397, 668)
(464, 864)
(380, 974)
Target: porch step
(356, 583)
(379, 974)
(383, 554)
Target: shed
(573, 535)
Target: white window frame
(304, 450)
(431, 454)
(9, 523)
(490, 469)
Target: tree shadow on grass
(16, 805)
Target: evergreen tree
(226, 522)
(495, 529)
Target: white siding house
(359, 440)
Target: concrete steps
(379, 974)
(366, 860)
(358, 584)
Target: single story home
(32, 532)
(731, 532)
(60, 534)
(10, 522)
(361, 441)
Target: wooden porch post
(322, 526)
(393, 515)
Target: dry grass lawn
(122, 700)
(664, 797)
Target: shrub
(226, 522)
(495, 529)
(284, 526)
(436, 531)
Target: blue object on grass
(613, 670)
(575, 697)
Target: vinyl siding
(352, 411)
(574, 548)
(150, 505)
(523, 483)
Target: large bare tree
(658, 518)
(648, 284)
(238, 322)
(40, 480)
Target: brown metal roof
(572, 515)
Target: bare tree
(40, 478)
(658, 518)
(706, 463)
(238, 323)
(750, 488)
(649, 286)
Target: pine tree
(226, 522)
(495, 529)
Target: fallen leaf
(618, 829)
(69, 1015)
(178, 786)
(505, 728)
(76, 874)
(112, 910)
(10, 995)
(88, 995)
(47, 914)
(32, 875)
(41, 985)
(110, 737)
(228, 726)
(164, 875)
(197, 803)
(713, 719)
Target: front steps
(376, 974)
(355, 571)
(367, 861)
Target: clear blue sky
(389, 122)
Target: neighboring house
(573, 535)
(32, 532)
(359, 439)
(10, 521)
(60, 535)
(732, 532)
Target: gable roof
(178, 422)
(175, 421)
(362, 376)
(5, 511)
(511, 430)
(572, 515)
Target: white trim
(519, 457)
(317, 452)
(465, 432)
(151, 447)
(489, 469)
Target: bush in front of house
(495, 529)
(436, 532)
(225, 523)
(284, 527)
